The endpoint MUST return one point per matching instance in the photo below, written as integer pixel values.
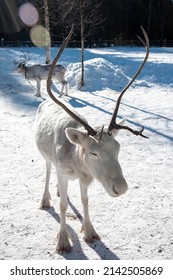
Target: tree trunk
(82, 40)
(46, 9)
(164, 10)
(149, 16)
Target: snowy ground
(138, 225)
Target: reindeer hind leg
(45, 203)
(64, 84)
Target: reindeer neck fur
(27, 72)
(81, 169)
(23, 70)
(30, 74)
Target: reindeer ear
(77, 137)
(116, 131)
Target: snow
(137, 225)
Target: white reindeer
(39, 72)
(81, 152)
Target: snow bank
(98, 74)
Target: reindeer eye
(94, 154)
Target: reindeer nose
(115, 191)
(119, 186)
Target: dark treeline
(104, 19)
(125, 16)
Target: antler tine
(24, 60)
(113, 124)
(25, 57)
(101, 134)
(90, 130)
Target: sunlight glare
(28, 14)
(40, 36)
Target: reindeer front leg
(89, 232)
(63, 240)
(38, 94)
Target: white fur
(62, 141)
(39, 72)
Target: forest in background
(103, 19)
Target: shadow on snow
(77, 253)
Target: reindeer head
(21, 65)
(99, 148)
(100, 155)
(20, 68)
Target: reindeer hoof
(90, 235)
(63, 243)
(44, 206)
(37, 95)
(45, 203)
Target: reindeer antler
(90, 130)
(113, 124)
(23, 61)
